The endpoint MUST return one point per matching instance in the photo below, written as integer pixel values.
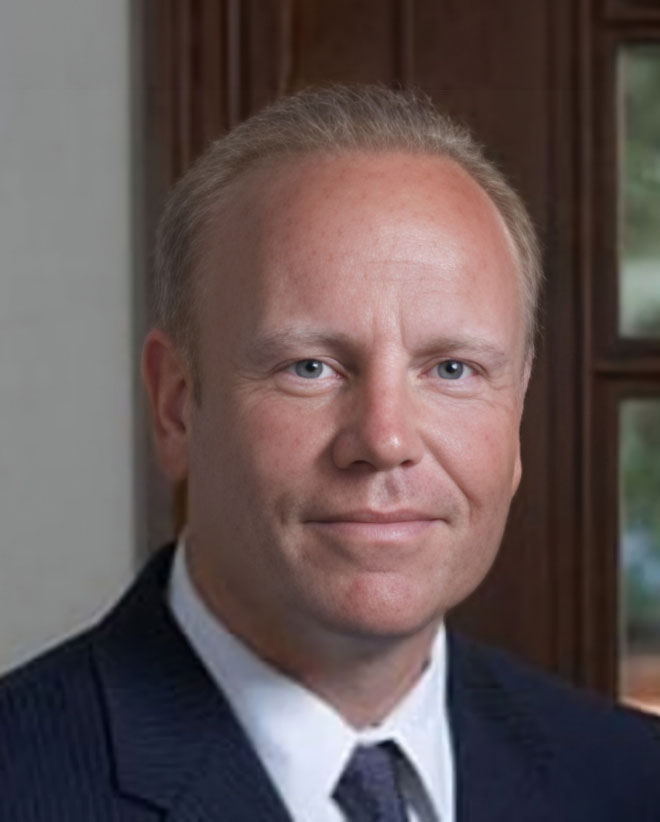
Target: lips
(376, 526)
(372, 516)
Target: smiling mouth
(378, 526)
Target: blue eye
(451, 369)
(309, 369)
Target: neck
(363, 680)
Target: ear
(527, 373)
(169, 385)
(517, 468)
(517, 472)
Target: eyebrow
(471, 347)
(262, 349)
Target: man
(344, 323)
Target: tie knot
(368, 789)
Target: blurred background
(103, 105)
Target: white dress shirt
(302, 741)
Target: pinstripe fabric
(55, 759)
(124, 725)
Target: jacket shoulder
(558, 705)
(56, 759)
(52, 737)
(591, 740)
(53, 688)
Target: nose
(380, 428)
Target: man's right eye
(311, 369)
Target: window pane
(639, 461)
(639, 185)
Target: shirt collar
(302, 741)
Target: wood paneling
(327, 35)
(624, 11)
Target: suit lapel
(500, 754)
(176, 742)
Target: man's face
(355, 450)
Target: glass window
(639, 184)
(639, 482)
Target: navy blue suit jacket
(123, 724)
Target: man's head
(339, 370)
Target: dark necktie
(367, 790)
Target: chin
(382, 611)
(385, 630)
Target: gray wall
(67, 511)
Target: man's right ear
(169, 385)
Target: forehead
(342, 223)
(283, 199)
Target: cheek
(274, 445)
(480, 453)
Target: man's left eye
(452, 370)
(311, 369)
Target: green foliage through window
(640, 523)
(639, 84)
